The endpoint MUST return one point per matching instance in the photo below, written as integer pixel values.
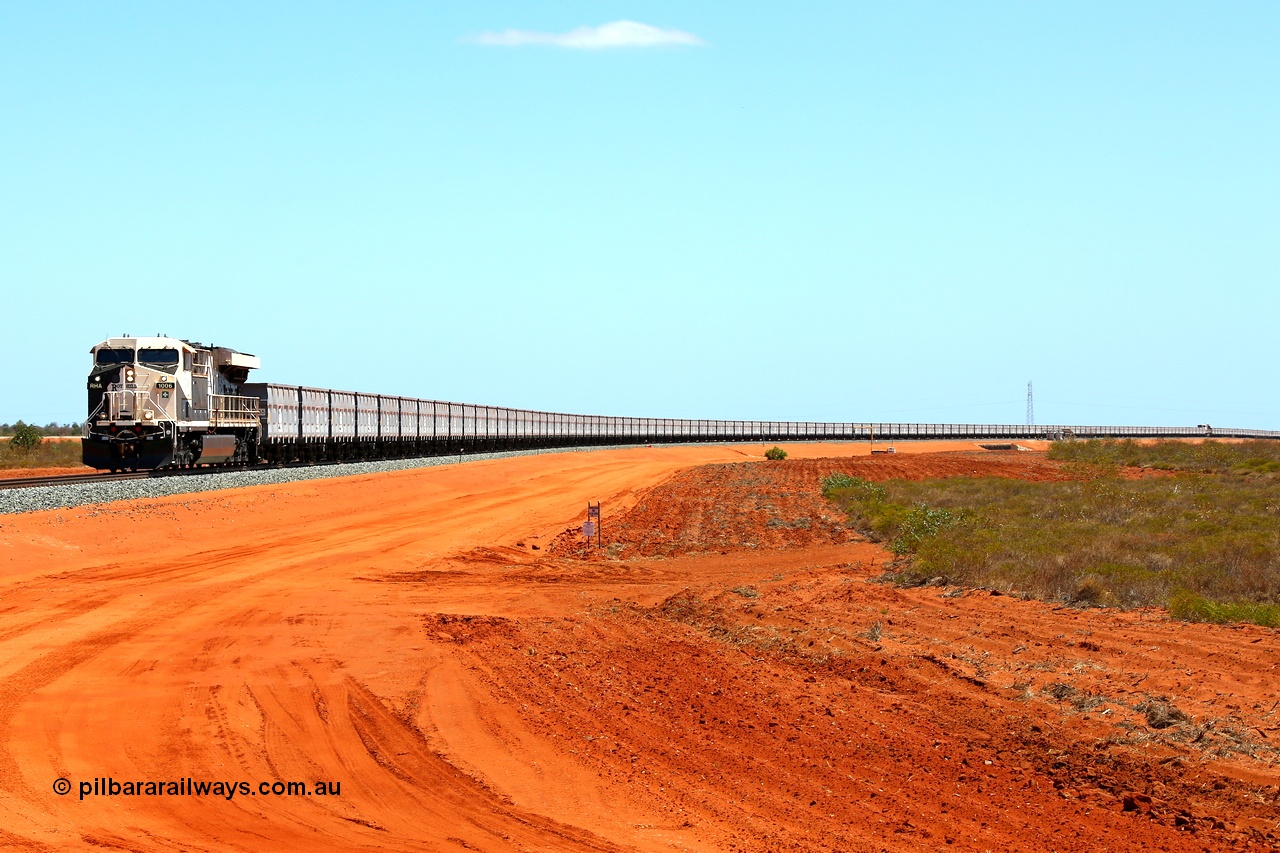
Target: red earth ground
(723, 674)
(15, 473)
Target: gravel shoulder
(38, 498)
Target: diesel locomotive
(157, 402)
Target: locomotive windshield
(120, 355)
(160, 359)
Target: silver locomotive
(158, 402)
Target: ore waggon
(162, 402)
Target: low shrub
(920, 523)
(775, 453)
(25, 436)
(1101, 542)
(838, 483)
(1221, 457)
(1190, 607)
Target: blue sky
(832, 211)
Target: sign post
(591, 527)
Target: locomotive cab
(157, 402)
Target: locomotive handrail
(231, 410)
(130, 403)
(122, 401)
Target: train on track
(162, 402)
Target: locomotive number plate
(163, 385)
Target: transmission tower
(1031, 409)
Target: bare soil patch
(736, 684)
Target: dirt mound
(784, 715)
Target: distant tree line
(48, 429)
(26, 446)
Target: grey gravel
(37, 498)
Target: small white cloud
(603, 37)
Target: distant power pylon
(1031, 409)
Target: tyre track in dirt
(250, 660)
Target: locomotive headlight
(128, 374)
(147, 414)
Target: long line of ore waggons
(165, 402)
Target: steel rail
(154, 474)
(71, 479)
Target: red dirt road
(734, 683)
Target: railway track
(72, 479)
(884, 432)
(108, 477)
